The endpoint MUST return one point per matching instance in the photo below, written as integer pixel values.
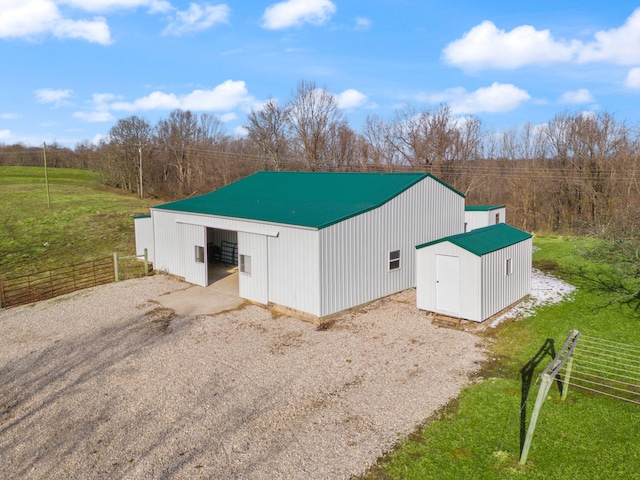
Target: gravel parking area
(106, 383)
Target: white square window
(509, 266)
(199, 254)
(245, 264)
(394, 260)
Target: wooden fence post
(115, 266)
(146, 263)
(2, 301)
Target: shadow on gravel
(63, 416)
(40, 390)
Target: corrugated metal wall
(500, 289)
(479, 219)
(143, 227)
(193, 236)
(294, 270)
(355, 253)
(470, 279)
(168, 242)
(485, 287)
(254, 285)
(292, 255)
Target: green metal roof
(482, 241)
(309, 199)
(481, 208)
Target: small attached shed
(478, 216)
(474, 275)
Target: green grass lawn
(86, 221)
(478, 436)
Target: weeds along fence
(52, 283)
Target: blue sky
(69, 69)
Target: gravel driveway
(106, 383)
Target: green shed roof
(309, 199)
(482, 241)
(481, 208)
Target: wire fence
(607, 368)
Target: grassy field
(86, 221)
(588, 436)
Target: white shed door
(448, 284)
(253, 276)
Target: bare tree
(121, 165)
(313, 115)
(267, 129)
(176, 135)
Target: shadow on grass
(526, 373)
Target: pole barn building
(474, 275)
(317, 243)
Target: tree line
(579, 173)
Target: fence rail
(52, 283)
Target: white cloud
(154, 6)
(295, 13)
(350, 98)
(5, 134)
(581, 95)
(498, 97)
(633, 78)
(363, 23)
(57, 96)
(486, 46)
(198, 17)
(228, 117)
(620, 46)
(96, 116)
(9, 116)
(224, 97)
(241, 131)
(98, 138)
(35, 18)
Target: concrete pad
(219, 296)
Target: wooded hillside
(578, 173)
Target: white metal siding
(500, 289)
(254, 285)
(192, 236)
(354, 254)
(168, 243)
(232, 224)
(470, 279)
(143, 227)
(294, 275)
(479, 219)
(292, 254)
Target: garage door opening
(222, 256)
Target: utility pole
(46, 175)
(140, 158)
